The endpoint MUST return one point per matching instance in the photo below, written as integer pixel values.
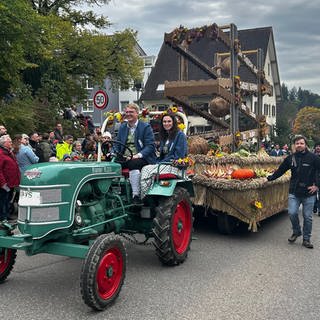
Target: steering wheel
(119, 156)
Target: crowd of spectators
(22, 150)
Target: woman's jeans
(307, 212)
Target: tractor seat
(167, 176)
(125, 172)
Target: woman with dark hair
(173, 146)
(173, 142)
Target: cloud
(295, 25)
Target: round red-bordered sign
(100, 99)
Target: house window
(123, 104)
(202, 106)
(88, 106)
(162, 107)
(265, 109)
(255, 107)
(269, 69)
(273, 111)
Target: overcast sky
(295, 23)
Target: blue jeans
(293, 210)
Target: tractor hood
(49, 191)
(66, 172)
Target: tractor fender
(166, 187)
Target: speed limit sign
(100, 99)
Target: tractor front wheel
(173, 228)
(7, 260)
(103, 271)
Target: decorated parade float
(229, 185)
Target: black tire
(226, 224)
(173, 228)
(7, 260)
(103, 272)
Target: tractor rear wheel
(7, 260)
(173, 228)
(103, 271)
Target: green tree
(285, 117)
(307, 122)
(66, 9)
(50, 48)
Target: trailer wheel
(226, 224)
(103, 271)
(7, 260)
(173, 228)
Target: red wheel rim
(5, 257)
(181, 227)
(109, 273)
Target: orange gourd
(242, 174)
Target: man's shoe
(136, 201)
(294, 237)
(307, 244)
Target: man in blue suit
(138, 136)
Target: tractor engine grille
(40, 209)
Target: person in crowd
(25, 140)
(90, 150)
(303, 187)
(88, 137)
(276, 151)
(90, 124)
(285, 150)
(106, 146)
(44, 151)
(34, 140)
(77, 154)
(66, 157)
(138, 136)
(9, 176)
(316, 206)
(24, 155)
(173, 146)
(3, 130)
(58, 132)
(64, 147)
(52, 142)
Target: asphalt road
(242, 276)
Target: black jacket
(304, 167)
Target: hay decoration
(219, 107)
(235, 197)
(226, 64)
(198, 145)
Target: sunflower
(258, 204)
(118, 116)
(174, 109)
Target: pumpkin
(242, 174)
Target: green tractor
(82, 209)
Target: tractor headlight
(78, 219)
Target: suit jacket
(178, 148)
(143, 140)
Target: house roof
(167, 64)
